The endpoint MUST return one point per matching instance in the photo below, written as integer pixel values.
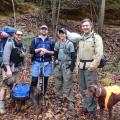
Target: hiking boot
(34, 96)
(70, 106)
(2, 111)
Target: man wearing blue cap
(5, 32)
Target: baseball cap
(62, 30)
(18, 32)
(44, 26)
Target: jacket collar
(88, 36)
(43, 37)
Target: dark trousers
(35, 82)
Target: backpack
(17, 56)
(1, 52)
(103, 60)
(21, 91)
(2, 44)
(73, 37)
(10, 31)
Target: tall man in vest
(65, 61)
(42, 49)
(88, 58)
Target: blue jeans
(41, 68)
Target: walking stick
(43, 82)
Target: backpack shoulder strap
(35, 41)
(94, 40)
(12, 41)
(52, 44)
(93, 37)
(1, 46)
(13, 44)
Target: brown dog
(107, 97)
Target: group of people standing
(43, 48)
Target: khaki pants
(85, 79)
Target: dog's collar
(99, 93)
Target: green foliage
(116, 64)
(27, 41)
(118, 67)
(113, 4)
(106, 81)
(107, 68)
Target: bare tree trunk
(58, 14)
(54, 17)
(101, 15)
(14, 12)
(42, 11)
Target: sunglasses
(19, 34)
(44, 28)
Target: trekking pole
(43, 82)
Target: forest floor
(51, 109)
